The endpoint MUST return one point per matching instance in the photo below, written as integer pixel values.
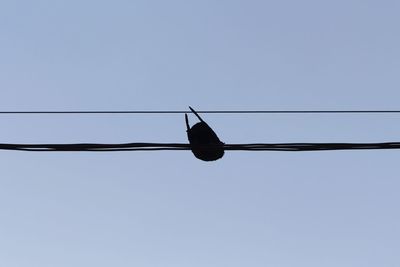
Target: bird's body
(204, 142)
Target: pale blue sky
(155, 209)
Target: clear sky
(169, 209)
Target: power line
(91, 147)
(71, 112)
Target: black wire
(204, 111)
(179, 146)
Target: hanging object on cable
(204, 142)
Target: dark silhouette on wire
(204, 142)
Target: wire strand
(71, 112)
(92, 147)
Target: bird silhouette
(204, 142)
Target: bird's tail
(195, 113)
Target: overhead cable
(71, 112)
(96, 147)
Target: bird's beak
(187, 122)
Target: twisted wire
(96, 147)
